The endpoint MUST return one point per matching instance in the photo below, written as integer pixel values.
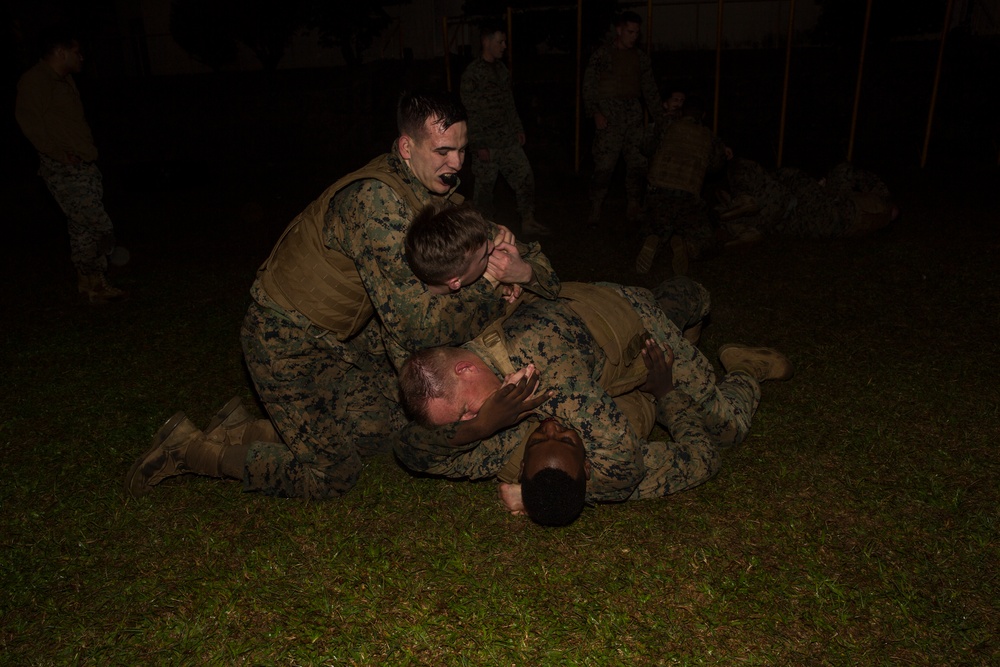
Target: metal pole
(937, 79)
(857, 87)
(784, 90)
(579, 74)
(447, 61)
(718, 66)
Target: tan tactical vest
(682, 158)
(619, 331)
(621, 80)
(302, 274)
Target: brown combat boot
(644, 261)
(233, 425)
(177, 448)
(761, 363)
(96, 288)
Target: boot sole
(763, 351)
(158, 439)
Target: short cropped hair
(552, 497)
(490, 27)
(416, 107)
(440, 239)
(627, 17)
(425, 376)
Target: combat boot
(644, 262)
(761, 363)
(233, 425)
(679, 262)
(95, 287)
(177, 448)
(531, 227)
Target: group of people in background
(393, 317)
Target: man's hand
(521, 138)
(510, 494)
(504, 235)
(600, 121)
(660, 378)
(514, 401)
(511, 292)
(505, 264)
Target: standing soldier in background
(619, 77)
(50, 114)
(496, 136)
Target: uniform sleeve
(428, 450)
(29, 110)
(544, 281)
(375, 220)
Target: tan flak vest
(622, 79)
(303, 275)
(682, 157)
(616, 328)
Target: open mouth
(449, 179)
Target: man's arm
(650, 92)
(29, 110)
(375, 224)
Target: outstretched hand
(506, 266)
(514, 401)
(659, 364)
(510, 494)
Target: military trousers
(79, 191)
(331, 402)
(511, 163)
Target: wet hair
(422, 377)
(627, 17)
(440, 239)
(552, 497)
(490, 27)
(416, 107)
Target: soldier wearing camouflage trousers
(50, 114)
(618, 79)
(335, 308)
(496, 135)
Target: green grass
(858, 525)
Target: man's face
(494, 46)
(628, 34)
(71, 57)
(478, 259)
(675, 101)
(474, 383)
(436, 156)
(554, 445)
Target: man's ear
(454, 284)
(405, 145)
(465, 366)
(586, 468)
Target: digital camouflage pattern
(792, 203)
(332, 401)
(495, 125)
(700, 414)
(79, 191)
(623, 107)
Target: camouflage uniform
(495, 125)
(50, 114)
(792, 203)
(613, 83)
(700, 414)
(332, 396)
(687, 150)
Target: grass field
(858, 524)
